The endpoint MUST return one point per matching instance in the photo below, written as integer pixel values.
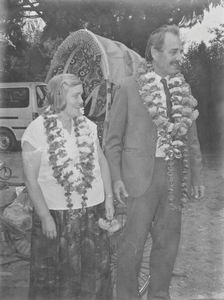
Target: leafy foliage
(128, 21)
(204, 70)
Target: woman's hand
(105, 171)
(109, 207)
(49, 227)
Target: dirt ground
(199, 269)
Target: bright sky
(199, 32)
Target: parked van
(20, 103)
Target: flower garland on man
(172, 131)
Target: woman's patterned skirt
(74, 265)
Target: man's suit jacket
(131, 142)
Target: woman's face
(74, 101)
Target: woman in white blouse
(68, 180)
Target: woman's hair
(156, 39)
(57, 88)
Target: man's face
(167, 60)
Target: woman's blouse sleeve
(34, 133)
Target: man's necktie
(168, 97)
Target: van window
(41, 91)
(14, 97)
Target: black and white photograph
(112, 149)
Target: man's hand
(198, 191)
(120, 191)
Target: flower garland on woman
(81, 179)
(173, 133)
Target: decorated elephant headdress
(100, 63)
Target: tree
(128, 21)
(204, 70)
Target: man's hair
(156, 39)
(57, 88)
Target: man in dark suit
(148, 168)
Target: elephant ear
(81, 54)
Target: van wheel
(7, 140)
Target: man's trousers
(151, 212)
